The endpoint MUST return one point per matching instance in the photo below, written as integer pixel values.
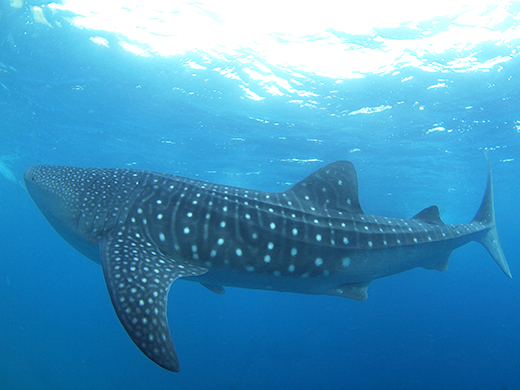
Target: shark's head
(59, 194)
(89, 207)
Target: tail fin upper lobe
(486, 216)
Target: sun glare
(334, 39)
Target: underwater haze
(259, 95)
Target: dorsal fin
(332, 187)
(429, 215)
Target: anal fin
(357, 291)
(214, 288)
(138, 278)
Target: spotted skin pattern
(147, 229)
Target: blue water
(415, 133)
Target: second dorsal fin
(429, 215)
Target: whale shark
(148, 229)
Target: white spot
(186, 230)
(254, 235)
(159, 201)
(270, 246)
(194, 248)
(267, 258)
(239, 252)
(345, 262)
(415, 240)
(295, 232)
(248, 216)
(307, 197)
(139, 210)
(190, 214)
(340, 182)
(224, 209)
(291, 268)
(213, 253)
(223, 224)
(161, 237)
(370, 244)
(349, 201)
(345, 240)
(316, 221)
(366, 227)
(399, 241)
(294, 251)
(384, 242)
(318, 237)
(271, 210)
(318, 261)
(272, 225)
(159, 216)
(220, 241)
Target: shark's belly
(341, 268)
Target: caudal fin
(486, 216)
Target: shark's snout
(28, 179)
(28, 174)
(56, 192)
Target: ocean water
(259, 96)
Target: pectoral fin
(138, 278)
